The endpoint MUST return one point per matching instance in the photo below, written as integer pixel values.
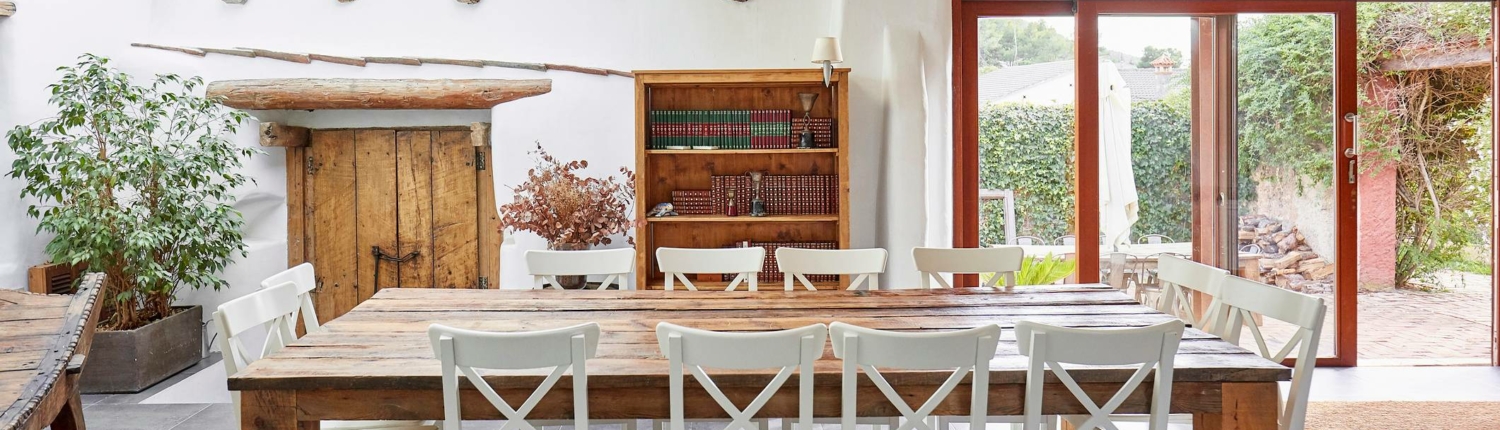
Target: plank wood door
(388, 208)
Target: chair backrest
(464, 351)
(1180, 277)
(1066, 240)
(306, 280)
(546, 266)
(870, 349)
(1003, 261)
(1030, 240)
(1048, 347)
(274, 309)
(794, 349)
(865, 265)
(1242, 298)
(1116, 271)
(676, 263)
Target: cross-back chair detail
(1242, 298)
(306, 280)
(1004, 262)
(870, 350)
(614, 264)
(464, 351)
(1179, 278)
(790, 350)
(865, 265)
(745, 263)
(1048, 347)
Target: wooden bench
(44, 340)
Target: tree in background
(1151, 53)
(1007, 42)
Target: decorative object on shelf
(757, 205)
(805, 140)
(570, 211)
(731, 210)
(662, 209)
(826, 52)
(784, 194)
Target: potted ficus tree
(135, 181)
(572, 212)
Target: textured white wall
(899, 50)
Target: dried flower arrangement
(566, 209)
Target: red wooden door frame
(1086, 193)
(1494, 190)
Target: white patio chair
(865, 265)
(1154, 239)
(870, 350)
(464, 351)
(676, 263)
(275, 309)
(306, 280)
(615, 264)
(1066, 240)
(1048, 347)
(1242, 299)
(1030, 240)
(1002, 261)
(1179, 278)
(790, 350)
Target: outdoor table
(1249, 262)
(376, 362)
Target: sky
(1131, 34)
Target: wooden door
(389, 208)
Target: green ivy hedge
(1029, 148)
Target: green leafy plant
(1045, 270)
(137, 182)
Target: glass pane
(1026, 151)
(1145, 148)
(1286, 153)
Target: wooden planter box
(132, 360)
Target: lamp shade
(827, 49)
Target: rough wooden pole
(282, 135)
(189, 51)
(301, 94)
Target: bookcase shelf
(661, 171)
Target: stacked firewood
(1288, 262)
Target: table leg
(1246, 406)
(70, 417)
(270, 410)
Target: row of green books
(720, 129)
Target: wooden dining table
(376, 362)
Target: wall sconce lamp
(826, 52)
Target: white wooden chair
(1048, 347)
(794, 349)
(464, 351)
(306, 280)
(869, 350)
(676, 263)
(865, 265)
(1179, 278)
(1030, 240)
(1003, 262)
(615, 264)
(275, 309)
(1242, 299)
(1154, 239)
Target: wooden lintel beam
(282, 135)
(479, 134)
(7, 8)
(306, 94)
(1474, 56)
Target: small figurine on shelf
(805, 139)
(757, 205)
(731, 210)
(662, 209)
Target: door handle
(381, 255)
(1352, 152)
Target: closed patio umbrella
(1119, 204)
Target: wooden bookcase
(660, 171)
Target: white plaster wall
(898, 49)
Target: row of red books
(821, 128)
(692, 202)
(783, 194)
(770, 273)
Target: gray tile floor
(126, 412)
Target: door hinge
(484, 282)
(479, 159)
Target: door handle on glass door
(1352, 152)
